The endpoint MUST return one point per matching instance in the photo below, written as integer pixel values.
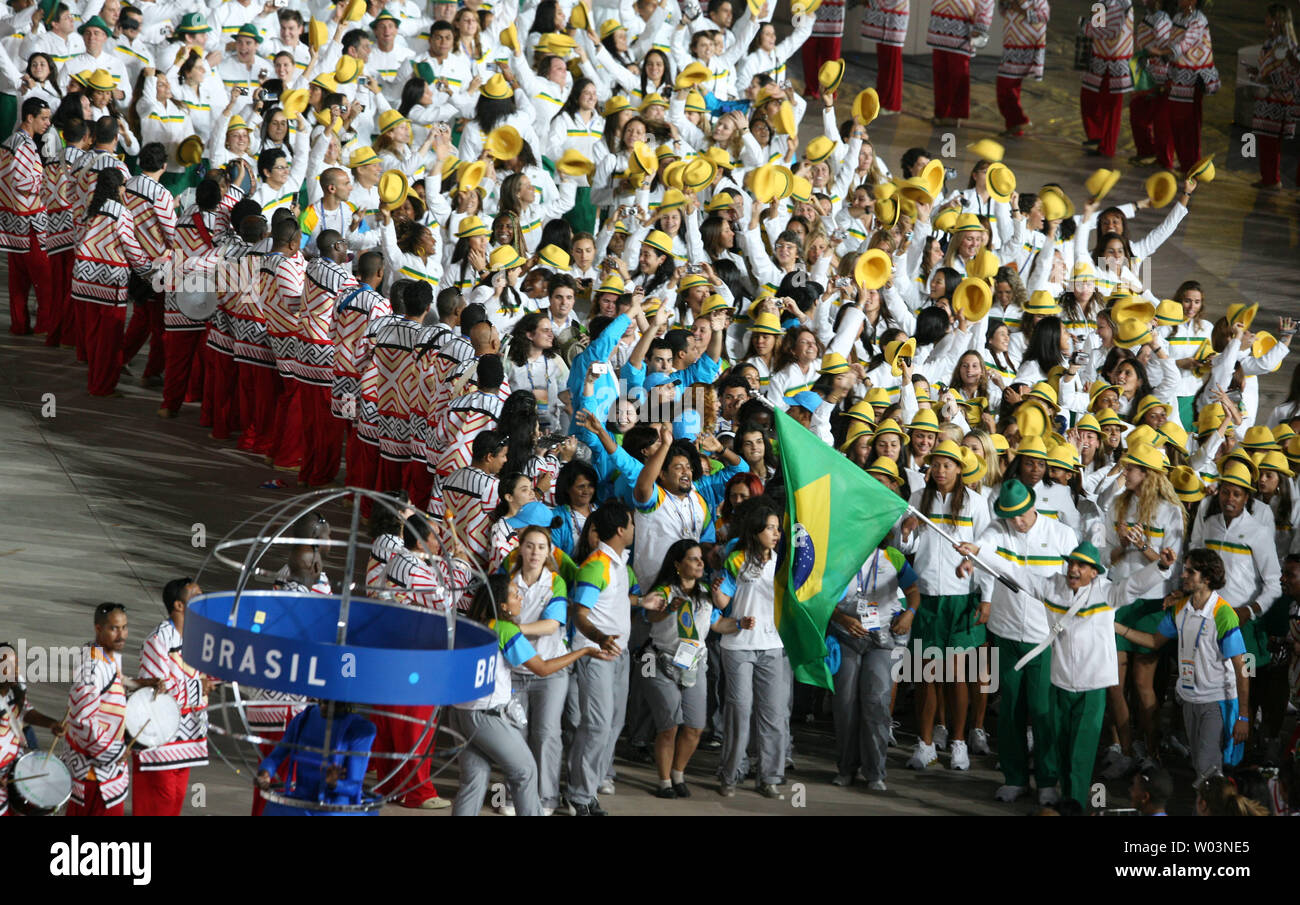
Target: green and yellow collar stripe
(126, 51)
(1028, 560)
(194, 105)
(416, 275)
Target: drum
(152, 719)
(39, 785)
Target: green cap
(249, 31)
(1014, 499)
(425, 72)
(193, 24)
(95, 22)
(1087, 555)
(384, 14)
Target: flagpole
(1011, 585)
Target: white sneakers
(606, 787)
(922, 757)
(1048, 796)
(877, 785)
(940, 737)
(1009, 793)
(979, 742)
(960, 759)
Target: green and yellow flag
(836, 514)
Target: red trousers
(362, 461)
(221, 382)
(29, 270)
(259, 387)
(1148, 120)
(287, 445)
(1013, 114)
(94, 806)
(951, 85)
(395, 736)
(1269, 148)
(146, 323)
(105, 326)
(183, 356)
(322, 436)
(1102, 114)
(158, 793)
(1185, 128)
(889, 76)
(419, 483)
(62, 317)
(816, 51)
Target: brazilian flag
(836, 514)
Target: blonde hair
(949, 431)
(992, 477)
(1155, 487)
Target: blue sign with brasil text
(286, 642)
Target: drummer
(15, 711)
(162, 772)
(96, 721)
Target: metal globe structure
(278, 651)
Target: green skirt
(1144, 615)
(1187, 413)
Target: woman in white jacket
(946, 618)
(767, 57)
(165, 119)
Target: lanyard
(1197, 643)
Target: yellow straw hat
(1101, 182)
(497, 88)
(698, 174)
(988, 149)
(1161, 188)
(393, 188)
(933, 174)
(554, 257)
(472, 226)
(659, 240)
(1129, 334)
(973, 298)
(1241, 313)
(1145, 456)
(1236, 473)
(873, 269)
(784, 121)
(389, 120)
(984, 265)
(692, 75)
(190, 151)
(884, 467)
(818, 149)
(897, 350)
(504, 257)
(1203, 170)
(1187, 483)
(1040, 302)
(830, 75)
(504, 143)
(1001, 182)
(574, 163)
(866, 107)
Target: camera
(243, 92)
(600, 367)
(690, 10)
(266, 97)
(555, 438)
(694, 268)
(844, 282)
